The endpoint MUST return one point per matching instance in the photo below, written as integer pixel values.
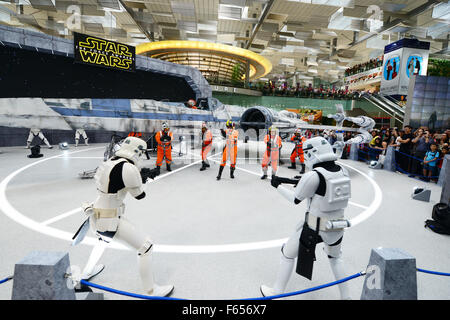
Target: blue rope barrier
(6, 279)
(434, 272)
(356, 275)
(323, 286)
(125, 293)
(408, 173)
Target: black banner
(104, 53)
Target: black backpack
(441, 219)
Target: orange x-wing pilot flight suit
(297, 151)
(272, 153)
(206, 146)
(230, 149)
(164, 150)
(206, 143)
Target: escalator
(395, 111)
(392, 103)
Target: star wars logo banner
(104, 53)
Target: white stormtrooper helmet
(317, 150)
(132, 148)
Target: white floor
(214, 239)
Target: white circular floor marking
(43, 228)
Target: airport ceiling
(309, 38)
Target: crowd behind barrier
(310, 92)
(366, 66)
(271, 88)
(419, 152)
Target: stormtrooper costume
(327, 191)
(115, 178)
(78, 133)
(36, 132)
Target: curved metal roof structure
(212, 59)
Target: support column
(247, 74)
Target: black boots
(264, 176)
(220, 173)
(168, 167)
(293, 166)
(303, 168)
(158, 170)
(204, 166)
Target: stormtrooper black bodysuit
(115, 178)
(327, 191)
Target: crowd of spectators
(369, 65)
(298, 91)
(419, 153)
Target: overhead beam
(263, 16)
(150, 36)
(411, 14)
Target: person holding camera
(422, 144)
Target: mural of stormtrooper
(78, 133)
(115, 178)
(327, 191)
(36, 132)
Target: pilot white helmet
(132, 148)
(317, 150)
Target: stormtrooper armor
(82, 133)
(116, 178)
(327, 191)
(36, 132)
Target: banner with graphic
(104, 53)
(402, 59)
(309, 115)
(416, 63)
